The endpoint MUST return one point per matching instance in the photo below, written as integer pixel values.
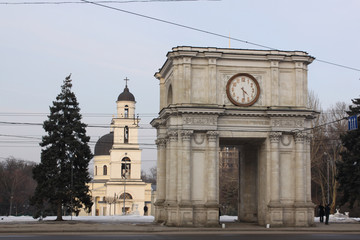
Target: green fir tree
(349, 168)
(62, 174)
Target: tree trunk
(59, 212)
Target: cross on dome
(126, 80)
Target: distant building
(117, 187)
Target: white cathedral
(117, 187)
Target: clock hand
(244, 91)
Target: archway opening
(238, 178)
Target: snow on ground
(120, 218)
(145, 219)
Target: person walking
(145, 210)
(327, 214)
(321, 212)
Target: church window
(125, 167)
(126, 111)
(104, 170)
(126, 134)
(95, 170)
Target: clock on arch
(243, 89)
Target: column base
(160, 212)
(293, 215)
(186, 216)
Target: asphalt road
(190, 236)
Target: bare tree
(16, 186)
(149, 177)
(336, 127)
(325, 149)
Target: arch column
(275, 168)
(303, 209)
(160, 214)
(172, 162)
(276, 210)
(308, 167)
(300, 167)
(212, 203)
(310, 205)
(185, 205)
(171, 206)
(186, 167)
(212, 196)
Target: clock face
(242, 89)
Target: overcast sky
(43, 43)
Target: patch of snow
(226, 218)
(120, 218)
(335, 218)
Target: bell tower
(125, 153)
(117, 187)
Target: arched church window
(125, 167)
(95, 170)
(126, 111)
(104, 170)
(170, 96)
(126, 134)
(127, 196)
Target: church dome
(126, 95)
(104, 144)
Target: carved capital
(308, 138)
(299, 137)
(161, 142)
(186, 134)
(212, 135)
(172, 135)
(275, 137)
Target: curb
(97, 227)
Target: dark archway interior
(238, 178)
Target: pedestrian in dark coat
(145, 210)
(321, 212)
(327, 213)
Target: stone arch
(274, 163)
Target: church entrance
(238, 178)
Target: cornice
(232, 53)
(222, 111)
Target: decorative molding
(200, 120)
(199, 138)
(288, 123)
(275, 137)
(286, 139)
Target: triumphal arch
(255, 100)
